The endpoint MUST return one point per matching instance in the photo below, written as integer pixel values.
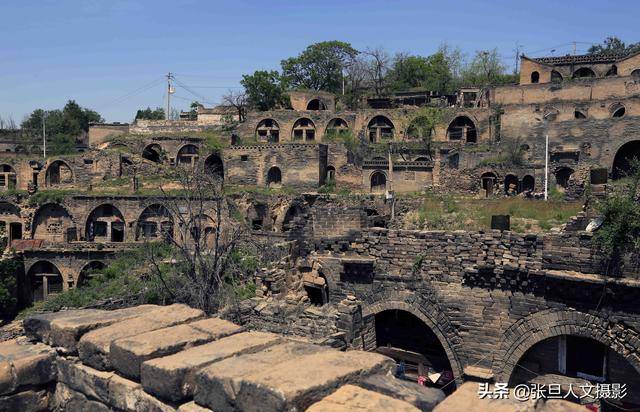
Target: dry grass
(453, 213)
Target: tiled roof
(581, 59)
(25, 244)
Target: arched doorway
(511, 185)
(379, 128)
(303, 129)
(294, 212)
(213, 165)
(45, 279)
(202, 231)
(409, 341)
(316, 104)
(462, 128)
(528, 184)
(155, 222)
(331, 174)
(105, 224)
(88, 272)
(613, 71)
(268, 130)
(274, 176)
(58, 173)
(188, 155)
(378, 182)
(7, 178)
(53, 222)
(153, 153)
(556, 77)
(535, 77)
(563, 174)
(622, 164)
(488, 181)
(583, 73)
(570, 358)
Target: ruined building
(491, 306)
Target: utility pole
(574, 48)
(169, 92)
(517, 57)
(546, 165)
(44, 134)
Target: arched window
(7, 178)
(462, 128)
(556, 77)
(268, 130)
(105, 224)
(155, 222)
(54, 223)
(213, 165)
(303, 129)
(316, 104)
(336, 127)
(46, 280)
(188, 155)
(378, 182)
(584, 73)
(635, 73)
(579, 115)
(153, 152)
(613, 71)
(511, 185)
(617, 110)
(528, 183)
(274, 176)
(535, 77)
(59, 173)
(379, 128)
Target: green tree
(151, 114)
(431, 73)
(264, 89)
(319, 67)
(613, 44)
(8, 286)
(486, 69)
(620, 230)
(63, 127)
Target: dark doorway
(622, 161)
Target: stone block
(31, 400)
(66, 331)
(25, 364)
(127, 354)
(192, 407)
(173, 377)
(38, 326)
(108, 388)
(94, 346)
(66, 399)
(217, 384)
(290, 385)
(421, 397)
(353, 398)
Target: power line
(132, 93)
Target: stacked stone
(153, 358)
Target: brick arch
(41, 209)
(436, 321)
(530, 330)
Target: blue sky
(98, 52)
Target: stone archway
(528, 331)
(214, 166)
(53, 222)
(59, 173)
(45, 280)
(438, 324)
(623, 157)
(153, 153)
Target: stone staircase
(168, 358)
